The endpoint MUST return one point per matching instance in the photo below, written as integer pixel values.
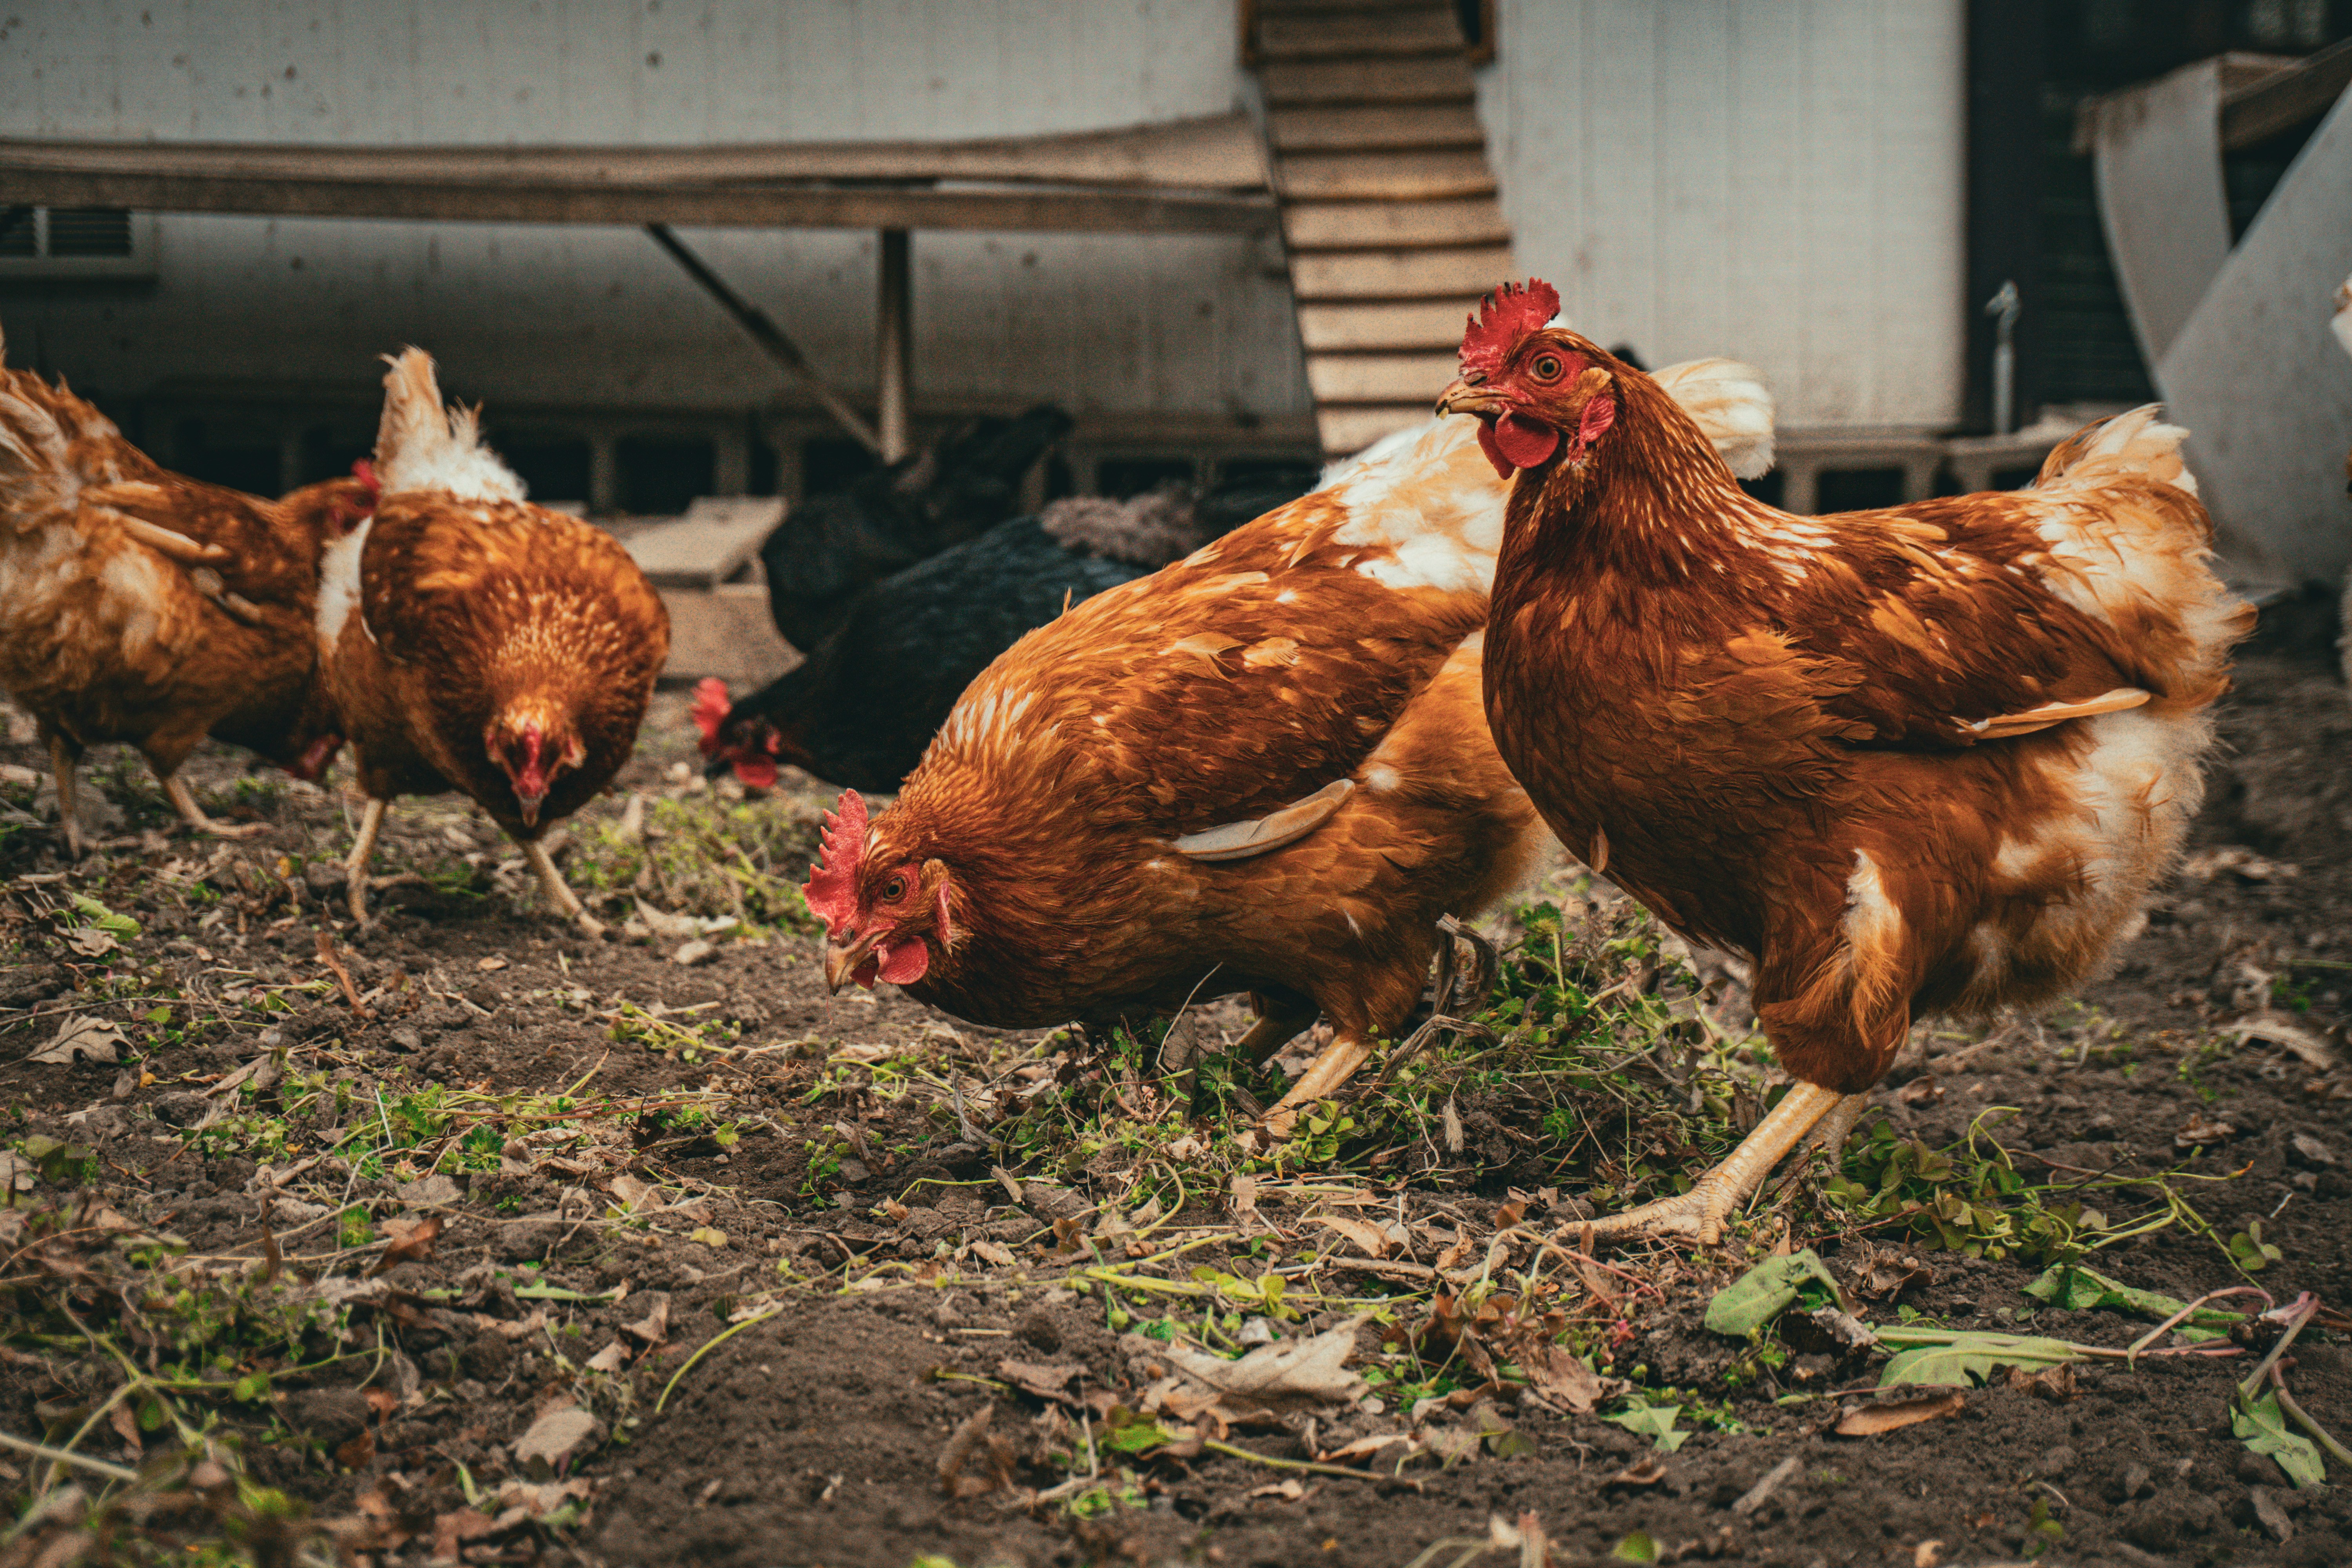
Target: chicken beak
(531, 804)
(841, 963)
(1468, 396)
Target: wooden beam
(894, 342)
(1419, 324)
(1366, 225)
(1398, 275)
(1380, 378)
(1376, 128)
(1091, 212)
(768, 335)
(1428, 80)
(2283, 99)
(1386, 177)
(1423, 30)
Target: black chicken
(830, 546)
(862, 708)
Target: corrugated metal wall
(1778, 181)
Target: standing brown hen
(1914, 761)
(141, 607)
(476, 642)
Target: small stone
(2056, 1462)
(2270, 1512)
(183, 1108)
(2138, 1481)
(408, 1039)
(526, 1243)
(554, 1440)
(690, 953)
(1038, 1328)
(436, 1191)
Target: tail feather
(422, 445)
(2139, 442)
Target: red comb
(831, 886)
(711, 705)
(1508, 314)
(364, 471)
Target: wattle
(1523, 442)
(904, 964)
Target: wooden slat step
(1428, 31)
(1399, 128)
(1347, 429)
(1398, 275)
(1380, 378)
(1432, 80)
(1383, 176)
(1366, 225)
(1435, 324)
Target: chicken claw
(184, 801)
(558, 892)
(1700, 1214)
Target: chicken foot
(355, 863)
(61, 765)
(1700, 1213)
(558, 892)
(1334, 1066)
(184, 801)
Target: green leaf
(1637, 1548)
(2260, 1426)
(1941, 1360)
(119, 926)
(1761, 1294)
(1656, 1422)
(2081, 1290)
(2250, 1251)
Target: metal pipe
(2003, 307)
(769, 336)
(893, 344)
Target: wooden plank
(1381, 176)
(1422, 324)
(2281, 101)
(1409, 274)
(1217, 153)
(1428, 30)
(1393, 128)
(1380, 378)
(1431, 81)
(726, 632)
(1349, 429)
(717, 538)
(1097, 212)
(1365, 226)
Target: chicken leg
(184, 801)
(1700, 1213)
(61, 765)
(1334, 1066)
(355, 863)
(558, 892)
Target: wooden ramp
(1388, 204)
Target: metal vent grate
(89, 231)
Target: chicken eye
(894, 889)
(1546, 367)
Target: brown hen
(475, 642)
(1922, 760)
(141, 607)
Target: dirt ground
(511, 1245)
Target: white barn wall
(573, 316)
(1782, 179)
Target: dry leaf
(2055, 1384)
(1920, 1092)
(630, 1190)
(1046, 1380)
(1298, 1371)
(451, 1529)
(1288, 1491)
(1927, 1555)
(1870, 1420)
(654, 1326)
(710, 1236)
(125, 1425)
(408, 1246)
(1369, 1242)
(969, 1439)
(383, 1400)
(2202, 1128)
(612, 1358)
(357, 1454)
(82, 1036)
(1559, 1377)
(491, 965)
(1646, 1471)
(990, 1253)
